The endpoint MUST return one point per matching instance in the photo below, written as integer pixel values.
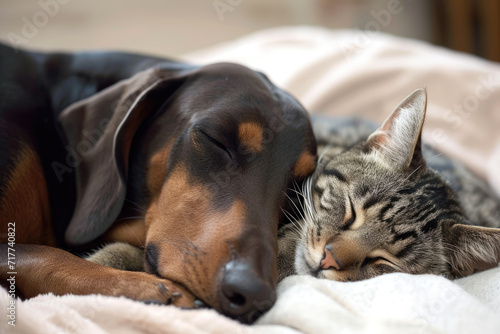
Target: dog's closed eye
(152, 255)
(217, 143)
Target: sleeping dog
(189, 162)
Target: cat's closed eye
(375, 261)
(351, 217)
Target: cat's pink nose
(329, 260)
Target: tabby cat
(380, 202)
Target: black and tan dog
(190, 162)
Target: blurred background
(175, 27)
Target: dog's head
(205, 156)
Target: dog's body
(191, 162)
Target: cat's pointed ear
(472, 248)
(398, 140)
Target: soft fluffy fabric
(396, 303)
(340, 73)
(393, 303)
(97, 314)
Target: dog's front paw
(148, 288)
(175, 295)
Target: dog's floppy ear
(99, 131)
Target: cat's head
(377, 208)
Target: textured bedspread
(394, 303)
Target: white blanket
(393, 303)
(336, 73)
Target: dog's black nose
(245, 295)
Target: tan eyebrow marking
(306, 164)
(250, 134)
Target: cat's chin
(339, 276)
(330, 275)
(301, 265)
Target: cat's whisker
(324, 150)
(289, 216)
(135, 235)
(434, 157)
(310, 212)
(301, 210)
(295, 223)
(294, 205)
(298, 192)
(130, 229)
(297, 231)
(138, 207)
(428, 161)
(129, 218)
(395, 189)
(294, 238)
(307, 206)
